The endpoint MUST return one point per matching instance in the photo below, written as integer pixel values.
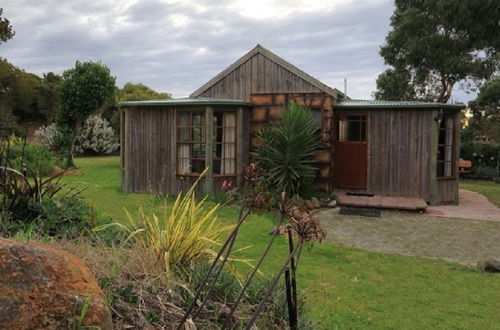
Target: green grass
(489, 189)
(344, 287)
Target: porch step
(383, 202)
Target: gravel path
(472, 206)
(407, 233)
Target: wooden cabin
(387, 148)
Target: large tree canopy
(139, 92)
(6, 31)
(82, 91)
(485, 110)
(24, 96)
(434, 44)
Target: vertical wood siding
(258, 75)
(399, 152)
(148, 151)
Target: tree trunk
(446, 88)
(70, 163)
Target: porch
(381, 201)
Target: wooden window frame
(453, 146)
(338, 119)
(222, 143)
(191, 143)
(203, 128)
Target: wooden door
(350, 151)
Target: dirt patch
(472, 205)
(409, 233)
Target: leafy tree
(434, 44)
(25, 97)
(287, 150)
(486, 110)
(139, 92)
(47, 100)
(6, 32)
(82, 91)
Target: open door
(350, 152)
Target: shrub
(69, 217)
(35, 157)
(226, 287)
(185, 234)
(287, 151)
(484, 157)
(96, 137)
(483, 172)
(33, 204)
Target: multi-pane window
(224, 144)
(446, 148)
(190, 142)
(351, 128)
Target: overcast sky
(176, 46)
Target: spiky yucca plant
(185, 233)
(287, 150)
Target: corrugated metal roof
(184, 101)
(380, 104)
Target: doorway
(350, 151)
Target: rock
(46, 288)
(315, 202)
(333, 203)
(309, 204)
(489, 265)
(324, 202)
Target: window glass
(224, 153)
(351, 128)
(316, 115)
(446, 148)
(190, 142)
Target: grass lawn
(489, 189)
(344, 287)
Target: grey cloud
(141, 43)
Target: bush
(96, 137)
(484, 157)
(33, 204)
(287, 151)
(483, 172)
(63, 217)
(35, 157)
(226, 288)
(179, 237)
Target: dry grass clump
(138, 293)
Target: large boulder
(47, 288)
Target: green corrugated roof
(184, 101)
(380, 104)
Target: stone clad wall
(267, 108)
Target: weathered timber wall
(148, 151)
(258, 75)
(399, 151)
(267, 110)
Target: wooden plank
(209, 136)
